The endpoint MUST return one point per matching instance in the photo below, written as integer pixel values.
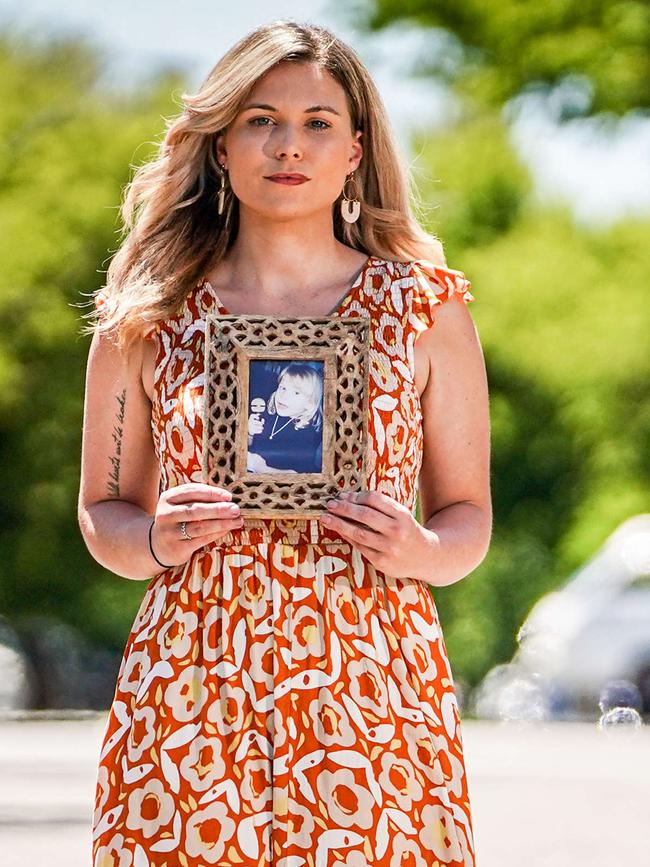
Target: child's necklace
(274, 432)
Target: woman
(285, 694)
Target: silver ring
(184, 531)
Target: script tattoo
(118, 430)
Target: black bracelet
(151, 547)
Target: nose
(287, 145)
(282, 153)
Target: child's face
(290, 398)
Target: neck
(269, 256)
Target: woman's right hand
(208, 512)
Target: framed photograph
(285, 416)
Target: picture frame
(285, 411)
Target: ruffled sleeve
(433, 285)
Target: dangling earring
(350, 208)
(221, 196)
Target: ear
(220, 148)
(357, 151)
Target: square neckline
(339, 306)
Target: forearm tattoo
(118, 432)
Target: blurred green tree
(561, 310)
(491, 52)
(66, 148)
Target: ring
(184, 533)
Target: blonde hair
(172, 232)
(303, 373)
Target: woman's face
(301, 125)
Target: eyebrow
(307, 110)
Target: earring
(350, 208)
(221, 196)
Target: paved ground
(558, 795)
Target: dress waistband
(296, 532)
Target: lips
(282, 178)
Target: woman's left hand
(384, 531)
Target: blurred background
(528, 135)
(527, 132)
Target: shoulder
(105, 306)
(439, 283)
(421, 286)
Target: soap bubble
(511, 694)
(618, 694)
(523, 700)
(620, 719)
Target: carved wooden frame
(231, 342)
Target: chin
(285, 210)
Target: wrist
(151, 550)
(430, 549)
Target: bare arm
(454, 483)
(119, 472)
(118, 496)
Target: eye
(253, 122)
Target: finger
(367, 515)
(209, 529)
(201, 512)
(356, 533)
(195, 491)
(366, 550)
(376, 500)
(369, 553)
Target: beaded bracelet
(151, 547)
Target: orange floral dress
(280, 701)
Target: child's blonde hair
(311, 382)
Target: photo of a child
(285, 423)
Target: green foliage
(562, 314)
(66, 150)
(494, 51)
(489, 185)
(563, 317)
(562, 311)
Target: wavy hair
(172, 234)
